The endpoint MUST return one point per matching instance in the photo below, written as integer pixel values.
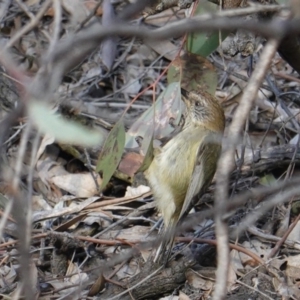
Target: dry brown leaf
(130, 163)
(32, 2)
(293, 266)
(287, 291)
(295, 233)
(136, 233)
(198, 281)
(164, 17)
(97, 286)
(46, 141)
(133, 192)
(164, 48)
(90, 5)
(231, 280)
(59, 210)
(8, 275)
(183, 296)
(76, 9)
(77, 280)
(235, 261)
(257, 247)
(146, 253)
(39, 203)
(80, 185)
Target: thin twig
(136, 285)
(226, 163)
(25, 9)
(57, 25)
(254, 289)
(20, 213)
(283, 239)
(32, 24)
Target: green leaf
(64, 131)
(111, 153)
(194, 72)
(155, 121)
(268, 180)
(285, 2)
(205, 43)
(147, 158)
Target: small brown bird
(185, 165)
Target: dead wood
(264, 160)
(163, 282)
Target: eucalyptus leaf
(267, 180)
(63, 130)
(156, 120)
(284, 2)
(194, 72)
(111, 153)
(147, 158)
(205, 43)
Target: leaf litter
(78, 231)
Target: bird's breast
(177, 159)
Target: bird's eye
(198, 103)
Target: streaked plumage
(185, 166)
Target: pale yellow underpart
(183, 150)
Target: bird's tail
(164, 250)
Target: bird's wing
(203, 173)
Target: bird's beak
(185, 95)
